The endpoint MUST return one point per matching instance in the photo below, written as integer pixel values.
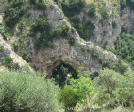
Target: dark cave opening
(62, 73)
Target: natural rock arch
(81, 55)
(62, 73)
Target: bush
(83, 86)
(69, 97)
(124, 48)
(40, 5)
(85, 29)
(125, 94)
(103, 11)
(8, 62)
(72, 7)
(47, 35)
(130, 3)
(107, 82)
(12, 16)
(40, 25)
(92, 10)
(115, 89)
(26, 92)
(77, 91)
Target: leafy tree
(69, 97)
(77, 91)
(124, 47)
(26, 92)
(115, 89)
(12, 16)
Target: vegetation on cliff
(26, 21)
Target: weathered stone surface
(104, 33)
(79, 55)
(127, 20)
(83, 53)
(6, 51)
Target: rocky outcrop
(83, 53)
(127, 20)
(6, 52)
(104, 33)
(80, 55)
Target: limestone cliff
(44, 37)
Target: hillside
(57, 37)
(77, 38)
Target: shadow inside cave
(62, 73)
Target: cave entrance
(62, 73)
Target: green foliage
(8, 62)
(15, 9)
(63, 73)
(125, 94)
(12, 16)
(77, 91)
(103, 11)
(115, 89)
(85, 28)
(60, 32)
(1, 49)
(69, 97)
(92, 10)
(33, 2)
(130, 3)
(40, 25)
(83, 86)
(20, 46)
(123, 4)
(26, 92)
(40, 5)
(47, 34)
(72, 7)
(124, 47)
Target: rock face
(104, 33)
(82, 54)
(127, 20)
(6, 52)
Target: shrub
(85, 29)
(26, 92)
(107, 83)
(69, 97)
(60, 32)
(83, 86)
(40, 25)
(12, 16)
(77, 91)
(125, 94)
(130, 3)
(103, 12)
(124, 48)
(72, 7)
(8, 62)
(33, 2)
(40, 5)
(115, 89)
(92, 10)
(47, 35)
